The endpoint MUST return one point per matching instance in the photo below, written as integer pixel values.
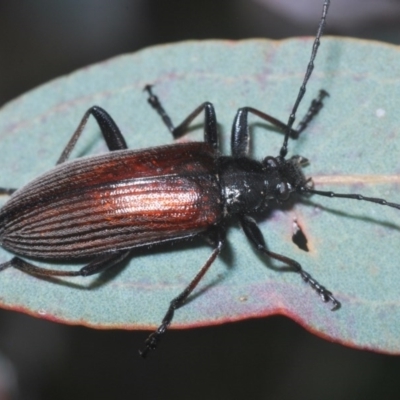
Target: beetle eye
(270, 162)
(283, 191)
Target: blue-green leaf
(353, 146)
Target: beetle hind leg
(109, 129)
(152, 341)
(96, 266)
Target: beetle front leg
(210, 119)
(240, 129)
(152, 341)
(240, 140)
(96, 266)
(111, 133)
(254, 234)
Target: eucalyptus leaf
(353, 146)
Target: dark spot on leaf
(298, 237)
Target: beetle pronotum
(97, 207)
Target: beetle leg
(240, 128)
(254, 234)
(109, 129)
(7, 191)
(152, 341)
(97, 265)
(210, 119)
(156, 104)
(240, 139)
(103, 262)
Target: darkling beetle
(107, 205)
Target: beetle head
(288, 176)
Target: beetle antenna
(309, 71)
(325, 193)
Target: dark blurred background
(271, 358)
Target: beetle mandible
(107, 205)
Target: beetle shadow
(102, 278)
(226, 256)
(268, 128)
(344, 214)
(197, 128)
(287, 206)
(108, 275)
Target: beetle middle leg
(96, 266)
(210, 128)
(254, 234)
(210, 119)
(152, 341)
(111, 133)
(240, 126)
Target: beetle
(105, 206)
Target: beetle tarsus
(150, 344)
(157, 106)
(323, 292)
(152, 341)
